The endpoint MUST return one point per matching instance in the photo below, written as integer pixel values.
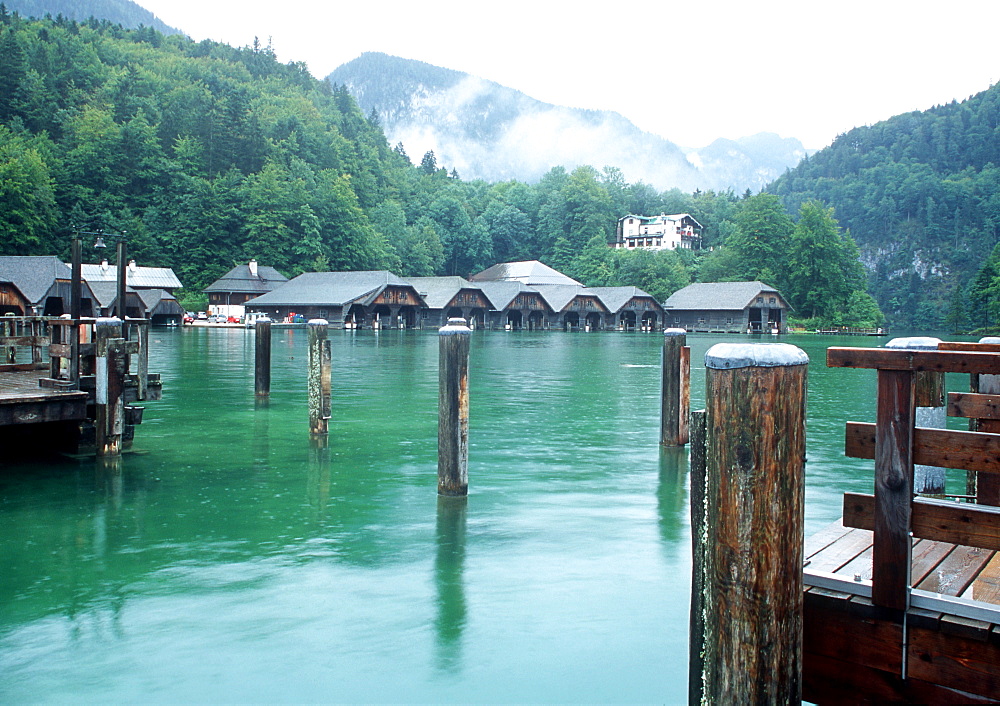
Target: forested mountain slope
(122, 12)
(920, 193)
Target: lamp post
(76, 287)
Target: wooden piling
(262, 358)
(930, 411)
(696, 642)
(751, 571)
(675, 386)
(453, 407)
(319, 376)
(110, 386)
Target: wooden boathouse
(70, 385)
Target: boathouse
(377, 298)
(39, 286)
(448, 297)
(530, 272)
(228, 294)
(574, 306)
(727, 307)
(136, 277)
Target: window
(772, 300)
(760, 300)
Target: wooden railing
(23, 342)
(893, 513)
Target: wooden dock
(68, 385)
(902, 598)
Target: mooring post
(675, 388)
(109, 395)
(751, 556)
(986, 486)
(319, 376)
(142, 371)
(453, 408)
(696, 642)
(262, 358)
(928, 397)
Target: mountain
(920, 193)
(122, 12)
(488, 131)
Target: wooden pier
(902, 598)
(70, 387)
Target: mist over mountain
(123, 12)
(488, 131)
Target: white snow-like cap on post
(915, 343)
(726, 356)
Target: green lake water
(229, 559)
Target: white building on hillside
(663, 232)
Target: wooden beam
(966, 450)
(973, 405)
(934, 361)
(939, 520)
(969, 347)
(893, 489)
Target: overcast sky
(690, 72)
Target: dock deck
(936, 567)
(23, 401)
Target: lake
(230, 559)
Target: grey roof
(240, 279)
(725, 296)
(33, 275)
(439, 291)
(527, 272)
(558, 296)
(160, 302)
(135, 276)
(105, 294)
(329, 288)
(501, 294)
(616, 297)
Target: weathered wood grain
(939, 520)
(954, 662)
(453, 408)
(893, 489)
(262, 359)
(754, 534)
(974, 406)
(968, 450)
(672, 388)
(936, 361)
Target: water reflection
(671, 498)
(448, 578)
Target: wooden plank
(986, 586)
(824, 538)
(954, 662)
(941, 520)
(956, 571)
(830, 629)
(839, 553)
(973, 406)
(966, 346)
(926, 555)
(861, 565)
(902, 359)
(893, 489)
(964, 450)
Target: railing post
(110, 387)
(895, 417)
(453, 408)
(931, 413)
(319, 377)
(262, 358)
(675, 388)
(751, 567)
(986, 486)
(142, 366)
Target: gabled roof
(558, 296)
(727, 296)
(240, 279)
(439, 291)
(105, 294)
(329, 288)
(159, 302)
(616, 297)
(527, 272)
(135, 276)
(33, 275)
(501, 294)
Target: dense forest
(206, 155)
(920, 193)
